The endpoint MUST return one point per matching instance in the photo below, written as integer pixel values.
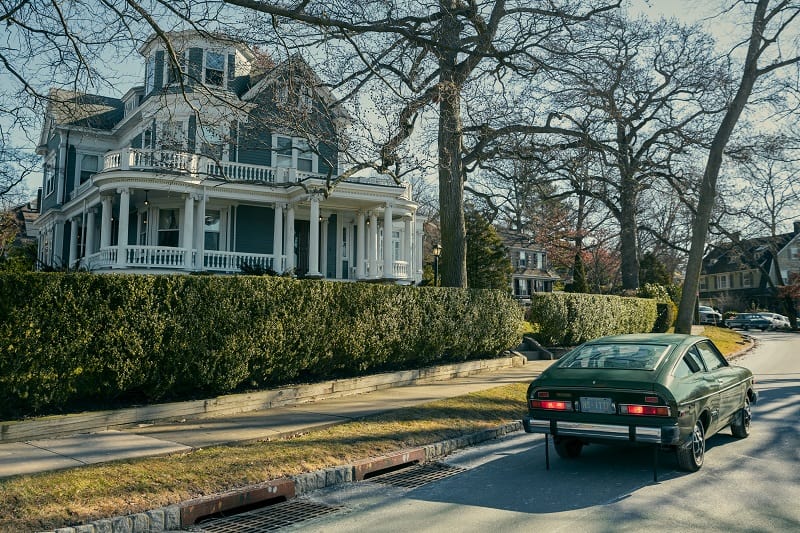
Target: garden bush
(569, 319)
(85, 341)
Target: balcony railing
(187, 163)
(174, 259)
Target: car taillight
(551, 405)
(644, 410)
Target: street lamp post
(437, 250)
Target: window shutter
(192, 133)
(231, 66)
(195, 68)
(159, 71)
(232, 155)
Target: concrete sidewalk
(164, 438)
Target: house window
(283, 146)
(172, 136)
(794, 253)
(703, 283)
(747, 279)
(306, 98)
(305, 160)
(89, 164)
(395, 246)
(147, 139)
(344, 243)
(143, 228)
(176, 73)
(168, 227)
(150, 74)
(215, 68)
(722, 281)
(523, 259)
(49, 177)
(212, 230)
(211, 143)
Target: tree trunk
(708, 187)
(628, 235)
(451, 174)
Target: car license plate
(597, 405)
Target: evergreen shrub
(569, 319)
(72, 341)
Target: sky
(687, 11)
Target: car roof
(649, 338)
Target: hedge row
(569, 319)
(82, 341)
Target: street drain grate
(418, 475)
(268, 518)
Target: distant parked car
(778, 321)
(748, 321)
(709, 316)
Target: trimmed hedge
(84, 341)
(569, 319)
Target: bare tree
(770, 48)
(641, 92)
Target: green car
(665, 390)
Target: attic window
(215, 68)
(175, 73)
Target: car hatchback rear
(605, 391)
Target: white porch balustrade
(233, 261)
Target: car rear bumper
(646, 434)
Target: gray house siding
(254, 229)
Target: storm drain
(268, 518)
(418, 475)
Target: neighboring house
(17, 225)
(531, 270)
(214, 163)
(735, 277)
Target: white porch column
(290, 238)
(105, 222)
(388, 271)
(122, 234)
(277, 240)
(408, 234)
(373, 245)
(417, 252)
(361, 253)
(88, 247)
(188, 230)
(73, 242)
(200, 232)
(323, 254)
(313, 238)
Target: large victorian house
(221, 159)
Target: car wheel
(568, 448)
(740, 426)
(690, 457)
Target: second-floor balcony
(171, 161)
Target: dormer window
(215, 68)
(175, 73)
(150, 74)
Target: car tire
(690, 457)
(740, 425)
(568, 448)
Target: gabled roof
(516, 239)
(747, 254)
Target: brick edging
(176, 517)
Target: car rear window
(620, 356)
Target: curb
(185, 514)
